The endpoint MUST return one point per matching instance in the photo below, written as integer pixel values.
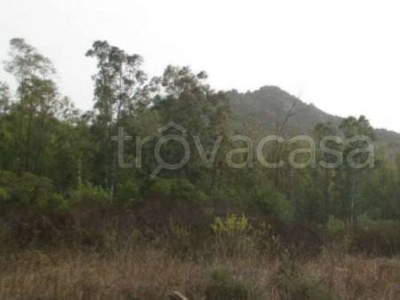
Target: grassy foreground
(145, 273)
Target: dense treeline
(172, 180)
(52, 156)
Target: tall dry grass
(146, 273)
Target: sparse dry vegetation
(146, 273)
(210, 257)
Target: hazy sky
(343, 56)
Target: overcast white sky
(343, 56)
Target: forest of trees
(103, 187)
(54, 151)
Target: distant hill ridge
(269, 105)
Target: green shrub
(334, 227)
(128, 193)
(92, 194)
(33, 190)
(175, 189)
(183, 189)
(179, 242)
(275, 204)
(4, 195)
(313, 290)
(161, 188)
(225, 288)
(232, 193)
(233, 235)
(8, 183)
(371, 215)
(231, 226)
(287, 277)
(292, 284)
(56, 203)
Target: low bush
(223, 287)
(128, 193)
(379, 238)
(233, 235)
(292, 285)
(287, 277)
(313, 290)
(91, 194)
(275, 204)
(8, 184)
(175, 189)
(56, 203)
(334, 226)
(31, 191)
(231, 226)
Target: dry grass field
(145, 273)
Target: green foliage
(233, 235)
(223, 287)
(49, 149)
(275, 204)
(287, 277)
(293, 285)
(33, 190)
(4, 196)
(231, 226)
(128, 193)
(334, 226)
(56, 203)
(370, 216)
(179, 242)
(92, 194)
(161, 188)
(5, 96)
(176, 189)
(8, 183)
(313, 290)
(179, 231)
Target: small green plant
(56, 203)
(160, 188)
(287, 276)
(8, 183)
(4, 195)
(179, 231)
(92, 194)
(233, 235)
(128, 193)
(292, 285)
(313, 290)
(334, 226)
(110, 239)
(337, 236)
(231, 226)
(179, 243)
(268, 242)
(223, 287)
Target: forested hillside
(168, 162)
(269, 106)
